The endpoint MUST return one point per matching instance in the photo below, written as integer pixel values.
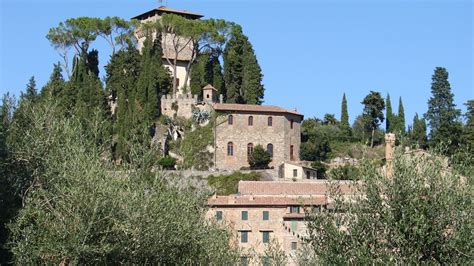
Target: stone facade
(296, 171)
(275, 207)
(180, 105)
(282, 133)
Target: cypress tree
(401, 118)
(417, 134)
(31, 92)
(389, 120)
(442, 115)
(242, 73)
(153, 82)
(122, 75)
(345, 116)
(207, 70)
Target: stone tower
(167, 39)
(389, 150)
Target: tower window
(250, 120)
(207, 96)
(295, 172)
(270, 121)
(270, 149)
(230, 120)
(292, 157)
(291, 123)
(249, 149)
(230, 149)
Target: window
(270, 121)
(177, 82)
(291, 123)
(292, 157)
(270, 149)
(244, 237)
(249, 150)
(266, 215)
(250, 120)
(230, 149)
(265, 236)
(295, 172)
(294, 209)
(230, 120)
(218, 215)
(245, 215)
(308, 175)
(294, 245)
(207, 95)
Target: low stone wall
(267, 174)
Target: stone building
(296, 171)
(263, 211)
(240, 127)
(167, 39)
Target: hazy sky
(311, 52)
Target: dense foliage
(79, 209)
(422, 214)
(259, 158)
(227, 184)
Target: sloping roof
(290, 187)
(253, 108)
(209, 86)
(248, 200)
(164, 9)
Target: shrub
(346, 172)
(227, 184)
(320, 169)
(167, 162)
(260, 158)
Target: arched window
(249, 149)
(230, 120)
(270, 121)
(270, 149)
(230, 149)
(250, 120)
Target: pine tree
(442, 115)
(389, 121)
(345, 127)
(242, 73)
(401, 118)
(373, 112)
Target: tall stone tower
(167, 42)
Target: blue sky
(311, 52)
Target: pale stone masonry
(241, 127)
(273, 209)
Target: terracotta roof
(290, 187)
(253, 108)
(248, 200)
(209, 86)
(164, 9)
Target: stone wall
(180, 105)
(280, 135)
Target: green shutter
(265, 215)
(266, 237)
(245, 215)
(243, 237)
(218, 215)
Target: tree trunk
(372, 139)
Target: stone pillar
(389, 150)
